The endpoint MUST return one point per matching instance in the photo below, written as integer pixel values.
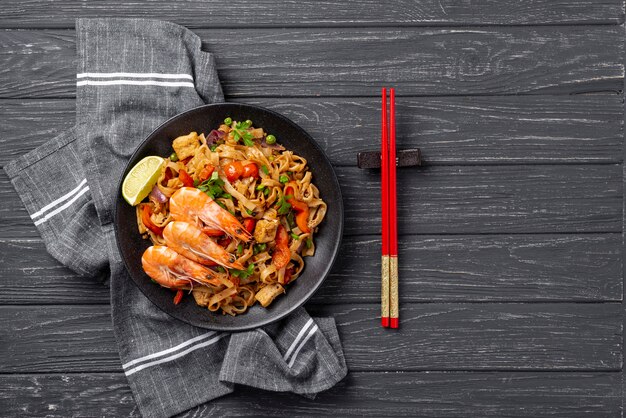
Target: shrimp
(189, 240)
(170, 269)
(192, 205)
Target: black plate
(327, 241)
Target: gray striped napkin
(132, 75)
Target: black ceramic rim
(171, 310)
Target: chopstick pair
(389, 261)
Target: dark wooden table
(511, 241)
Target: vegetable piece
(282, 254)
(157, 195)
(249, 224)
(215, 136)
(173, 157)
(243, 274)
(178, 297)
(266, 295)
(309, 243)
(233, 170)
(239, 249)
(228, 121)
(295, 236)
(146, 212)
(185, 178)
(301, 208)
(270, 139)
(250, 170)
(283, 178)
(264, 169)
(206, 173)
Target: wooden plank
(452, 200)
(449, 130)
(266, 13)
(434, 394)
(434, 336)
(347, 62)
(512, 268)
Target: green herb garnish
(264, 169)
(308, 243)
(239, 249)
(243, 274)
(295, 236)
(283, 205)
(213, 187)
(241, 133)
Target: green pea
(174, 157)
(270, 139)
(228, 121)
(283, 178)
(248, 123)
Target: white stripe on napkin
(175, 356)
(62, 208)
(59, 200)
(169, 350)
(135, 83)
(298, 337)
(135, 75)
(309, 335)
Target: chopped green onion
(270, 139)
(249, 212)
(266, 192)
(295, 236)
(264, 169)
(213, 147)
(240, 249)
(283, 178)
(260, 187)
(228, 121)
(309, 243)
(173, 157)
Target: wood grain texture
(452, 200)
(347, 62)
(239, 13)
(514, 268)
(433, 337)
(447, 394)
(449, 130)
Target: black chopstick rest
(404, 158)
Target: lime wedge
(141, 178)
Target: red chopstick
(384, 186)
(393, 217)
